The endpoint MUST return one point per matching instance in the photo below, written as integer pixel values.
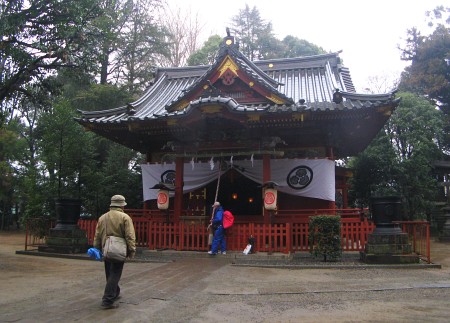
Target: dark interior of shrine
(236, 193)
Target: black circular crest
(299, 177)
(168, 177)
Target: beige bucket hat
(118, 200)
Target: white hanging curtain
(194, 177)
(314, 178)
(301, 177)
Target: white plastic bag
(247, 249)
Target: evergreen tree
(257, 41)
(295, 47)
(206, 54)
(429, 72)
(255, 36)
(399, 161)
(39, 37)
(128, 43)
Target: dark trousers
(113, 272)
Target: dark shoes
(109, 306)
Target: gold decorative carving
(211, 108)
(298, 117)
(385, 110)
(253, 117)
(180, 105)
(275, 99)
(172, 122)
(228, 64)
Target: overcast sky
(367, 32)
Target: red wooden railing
(154, 232)
(287, 237)
(419, 236)
(279, 216)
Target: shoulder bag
(115, 248)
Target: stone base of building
(388, 247)
(389, 259)
(68, 240)
(444, 236)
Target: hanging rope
(218, 181)
(217, 193)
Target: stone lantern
(387, 244)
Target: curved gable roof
(304, 83)
(228, 57)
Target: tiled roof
(307, 83)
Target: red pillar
(178, 199)
(266, 178)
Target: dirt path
(42, 289)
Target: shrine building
(238, 129)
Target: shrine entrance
(237, 194)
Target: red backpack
(228, 219)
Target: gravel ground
(207, 289)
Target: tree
(12, 148)
(255, 36)
(380, 84)
(139, 46)
(38, 38)
(374, 171)
(207, 53)
(65, 151)
(429, 72)
(399, 160)
(183, 30)
(257, 41)
(295, 47)
(129, 42)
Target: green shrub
(324, 237)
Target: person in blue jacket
(219, 231)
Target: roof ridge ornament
(228, 40)
(337, 96)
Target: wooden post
(330, 155)
(266, 178)
(148, 160)
(345, 195)
(178, 200)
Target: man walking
(114, 223)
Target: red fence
(286, 237)
(277, 237)
(419, 235)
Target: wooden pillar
(178, 200)
(330, 152)
(266, 178)
(345, 195)
(330, 155)
(148, 160)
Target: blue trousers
(219, 239)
